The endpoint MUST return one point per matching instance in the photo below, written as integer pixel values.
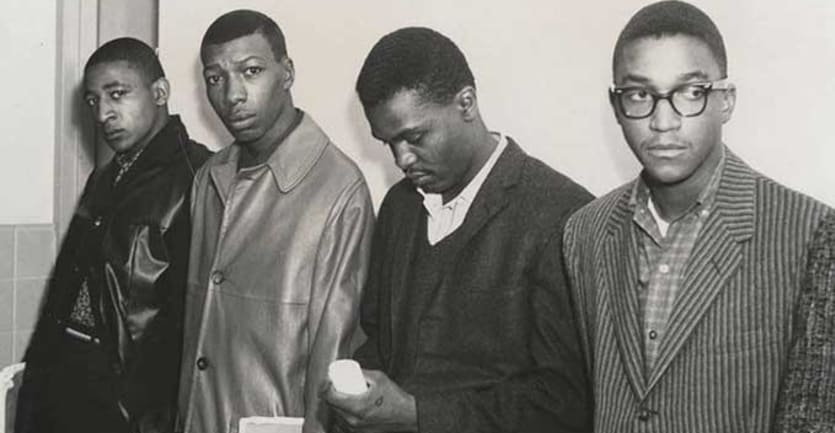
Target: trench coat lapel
(715, 257)
(223, 172)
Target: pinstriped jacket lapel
(621, 278)
(715, 257)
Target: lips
(666, 150)
(417, 177)
(112, 134)
(240, 120)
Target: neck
(259, 151)
(673, 200)
(483, 144)
(161, 120)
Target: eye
(637, 95)
(414, 138)
(692, 92)
(117, 94)
(252, 71)
(91, 101)
(212, 80)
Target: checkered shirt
(662, 259)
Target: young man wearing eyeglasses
(685, 279)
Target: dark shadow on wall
(90, 150)
(372, 150)
(221, 137)
(617, 150)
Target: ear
(161, 91)
(289, 72)
(466, 102)
(728, 103)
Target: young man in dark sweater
(466, 309)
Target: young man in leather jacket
(106, 349)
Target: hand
(385, 407)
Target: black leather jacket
(131, 242)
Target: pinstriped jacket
(720, 364)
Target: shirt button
(653, 335)
(217, 277)
(704, 213)
(664, 268)
(202, 363)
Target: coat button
(217, 277)
(97, 222)
(202, 363)
(644, 415)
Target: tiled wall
(27, 253)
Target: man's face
(123, 104)
(247, 87)
(672, 148)
(426, 139)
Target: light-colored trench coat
(279, 255)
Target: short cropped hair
(133, 51)
(413, 58)
(245, 22)
(673, 17)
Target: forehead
(405, 110)
(109, 73)
(665, 60)
(236, 50)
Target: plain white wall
(27, 116)
(542, 68)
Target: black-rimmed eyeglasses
(688, 100)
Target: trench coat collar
(289, 163)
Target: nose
(665, 117)
(235, 90)
(104, 111)
(403, 156)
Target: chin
(668, 176)
(120, 147)
(245, 135)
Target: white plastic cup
(346, 377)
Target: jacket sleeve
(340, 271)
(807, 396)
(369, 354)
(554, 396)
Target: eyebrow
(106, 87)
(235, 62)
(399, 136)
(687, 76)
(114, 84)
